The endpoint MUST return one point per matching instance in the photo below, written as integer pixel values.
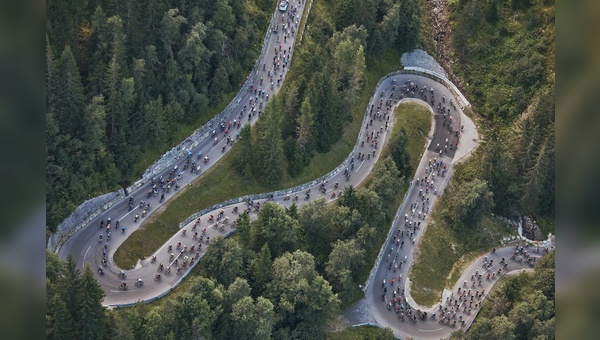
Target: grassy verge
(416, 120)
(360, 333)
(444, 253)
(221, 183)
(302, 21)
(546, 225)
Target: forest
(122, 78)
(505, 52)
(125, 78)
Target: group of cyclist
(392, 293)
(163, 184)
(469, 297)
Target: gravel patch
(358, 314)
(420, 58)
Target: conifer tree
(62, 327)
(268, 145)
(260, 270)
(69, 288)
(93, 322)
(70, 99)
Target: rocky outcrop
(531, 230)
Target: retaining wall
(85, 213)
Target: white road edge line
(132, 210)
(85, 255)
(430, 330)
(361, 163)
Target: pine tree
(388, 27)
(328, 116)
(223, 260)
(219, 84)
(117, 42)
(52, 81)
(69, 288)
(260, 270)
(115, 117)
(269, 158)
(410, 24)
(93, 322)
(496, 170)
(138, 72)
(52, 135)
(155, 117)
(386, 180)
(154, 67)
(133, 27)
(346, 12)
(98, 46)
(171, 25)
(157, 324)
(153, 13)
(194, 56)
(223, 17)
(67, 16)
(400, 154)
(304, 299)
(62, 324)
(244, 160)
(244, 229)
(250, 320)
(277, 229)
(290, 110)
(345, 260)
(538, 182)
(95, 129)
(316, 221)
(305, 123)
(70, 99)
(120, 101)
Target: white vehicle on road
(283, 5)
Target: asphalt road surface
(86, 247)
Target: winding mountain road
(84, 245)
(86, 248)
